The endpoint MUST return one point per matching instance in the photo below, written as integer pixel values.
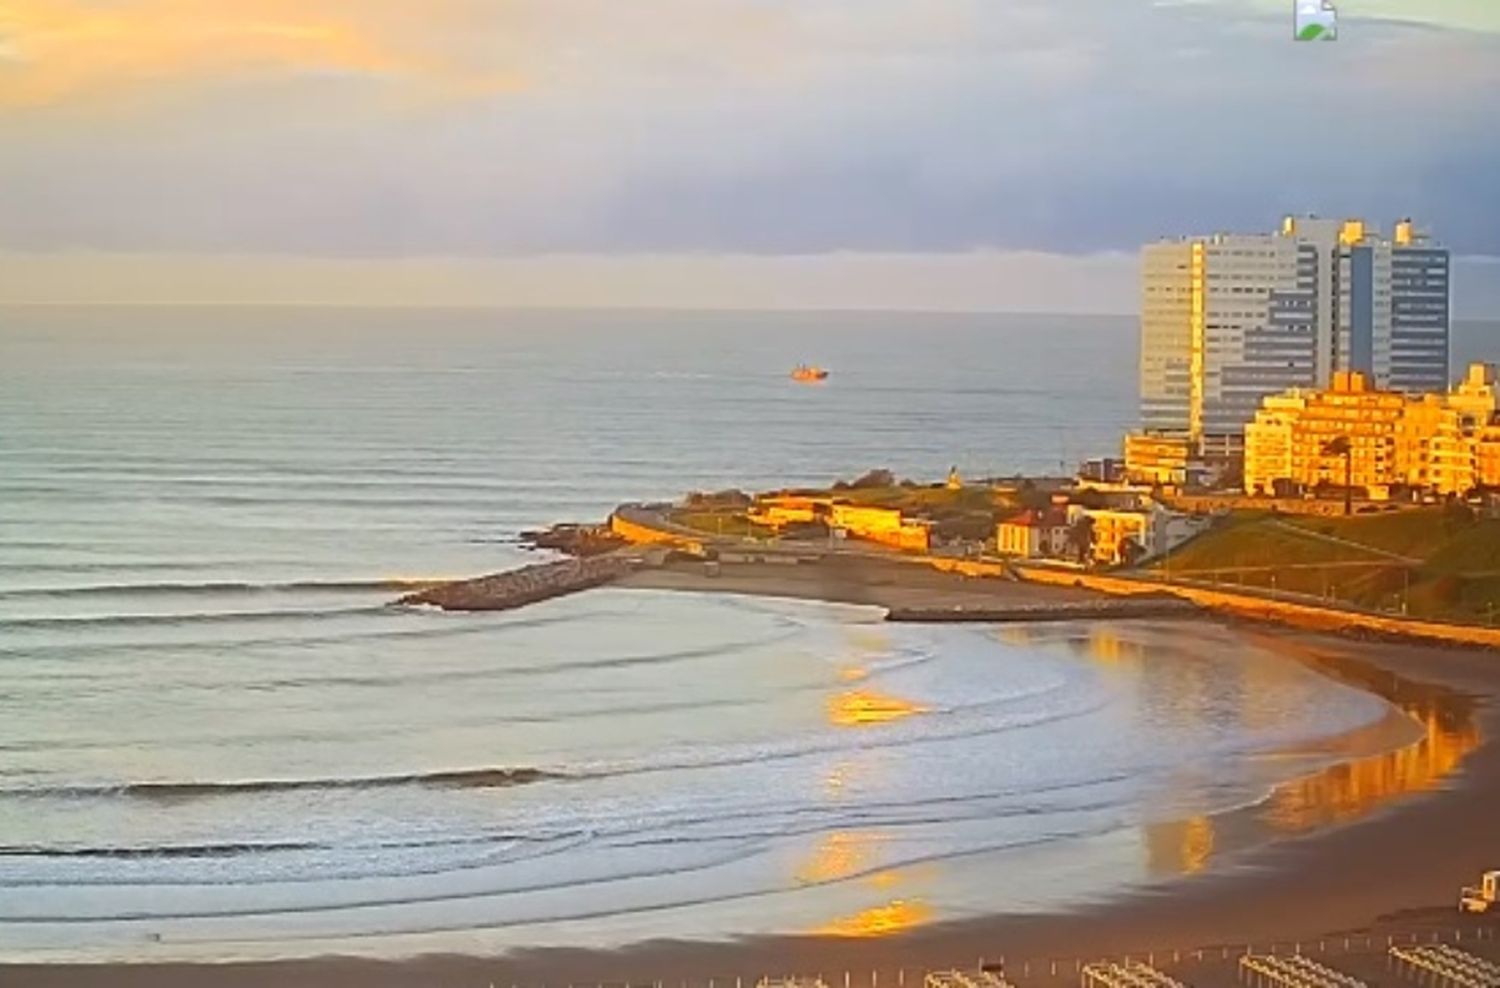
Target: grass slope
(1440, 562)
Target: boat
(808, 374)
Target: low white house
(1153, 528)
(1034, 534)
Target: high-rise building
(1225, 321)
(1229, 319)
(1393, 308)
(1419, 351)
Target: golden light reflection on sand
(1343, 792)
(1106, 645)
(895, 916)
(1352, 790)
(1180, 847)
(861, 708)
(839, 855)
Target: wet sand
(1374, 846)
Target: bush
(1456, 517)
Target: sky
(927, 153)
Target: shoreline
(1352, 870)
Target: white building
(1034, 534)
(1153, 528)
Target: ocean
(218, 740)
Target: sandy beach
(867, 579)
(1371, 847)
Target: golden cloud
(57, 51)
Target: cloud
(1021, 281)
(62, 51)
(741, 126)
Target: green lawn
(1455, 573)
(724, 521)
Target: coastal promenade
(1088, 594)
(661, 555)
(1276, 607)
(925, 587)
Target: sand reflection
(861, 708)
(839, 855)
(896, 916)
(853, 855)
(1356, 788)
(1343, 792)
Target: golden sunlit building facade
(884, 525)
(1487, 456)
(1113, 529)
(1158, 458)
(1427, 442)
(887, 526)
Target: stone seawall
(1117, 609)
(640, 526)
(1292, 613)
(527, 585)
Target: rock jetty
(574, 540)
(527, 585)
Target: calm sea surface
(216, 739)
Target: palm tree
(1340, 446)
(1081, 537)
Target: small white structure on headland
(1483, 897)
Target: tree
(1090, 498)
(1340, 446)
(1456, 516)
(1031, 496)
(1081, 538)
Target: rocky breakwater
(527, 585)
(574, 540)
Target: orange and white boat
(808, 374)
